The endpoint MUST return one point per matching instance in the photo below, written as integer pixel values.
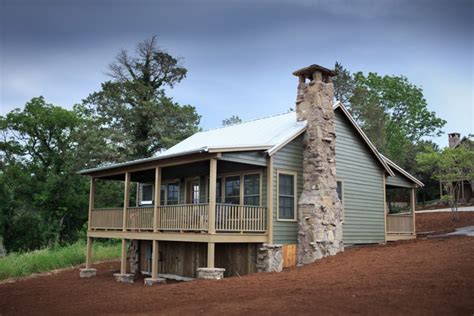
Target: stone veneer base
(87, 273)
(151, 281)
(124, 278)
(211, 273)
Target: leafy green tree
(391, 111)
(234, 119)
(43, 198)
(133, 111)
(451, 167)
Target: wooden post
(413, 208)
(270, 199)
(212, 196)
(123, 259)
(89, 253)
(126, 199)
(210, 254)
(91, 200)
(156, 203)
(154, 260)
(384, 206)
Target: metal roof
(262, 134)
(266, 134)
(403, 171)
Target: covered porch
(400, 213)
(207, 198)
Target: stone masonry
(210, 273)
(270, 258)
(134, 256)
(320, 213)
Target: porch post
(156, 203)
(91, 200)
(384, 206)
(154, 260)
(89, 253)
(270, 199)
(212, 196)
(210, 254)
(413, 207)
(126, 198)
(88, 272)
(123, 258)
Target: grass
(48, 259)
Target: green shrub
(23, 264)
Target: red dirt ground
(442, 222)
(432, 276)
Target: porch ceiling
(200, 168)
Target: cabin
(227, 202)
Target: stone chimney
(453, 139)
(320, 212)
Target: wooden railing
(140, 218)
(184, 217)
(106, 218)
(400, 223)
(240, 218)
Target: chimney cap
(308, 72)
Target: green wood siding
(288, 158)
(247, 157)
(399, 180)
(363, 191)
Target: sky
(240, 54)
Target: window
(286, 196)
(147, 194)
(232, 190)
(172, 196)
(195, 192)
(169, 194)
(339, 190)
(252, 189)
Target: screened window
(252, 189)
(286, 196)
(339, 190)
(147, 194)
(232, 190)
(196, 194)
(172, 194)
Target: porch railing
(400, 223)
(183, 217)
(240, 218)
(189, 217)
(107, 218)
(140, 218)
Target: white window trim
(295, 181)
(146, 202)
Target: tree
(234, 119)
(391, 111)
(134, 108)
(451, 167)
(42, 195)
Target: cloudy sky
(240, 54)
